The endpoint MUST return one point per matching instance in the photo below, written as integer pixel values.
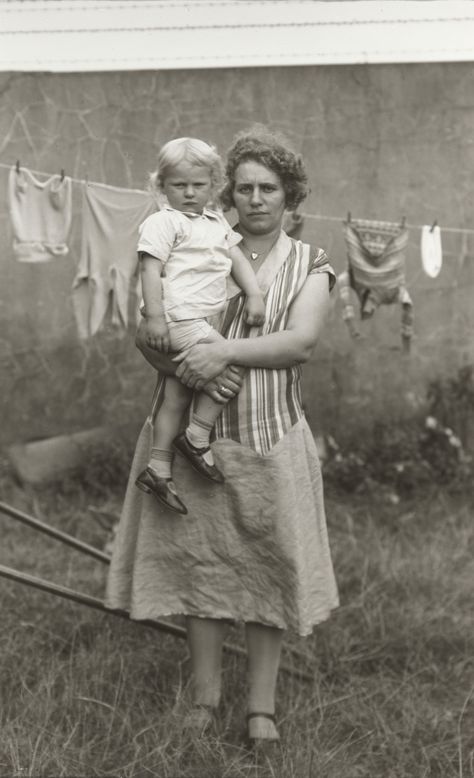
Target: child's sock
(198, 432)
(161, 461)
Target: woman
(255, 548)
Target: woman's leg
(205, 639)
(264, 650)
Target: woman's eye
(268, 188)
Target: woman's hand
(201, 363)
(254, 310)
(221, 389)
(225, 386)
(157, 334)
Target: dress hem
(306, 631)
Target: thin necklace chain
(254, 255)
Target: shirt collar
(206, 212)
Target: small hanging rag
(41, 213)
(431, 251)
(376, 272)
(107, 275)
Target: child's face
(188, 187)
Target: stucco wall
(381, 141)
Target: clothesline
(315, 216)
(323, 217)
(71, 178)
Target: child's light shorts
(186, 333)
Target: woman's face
(259, 198)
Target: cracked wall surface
(380, 141)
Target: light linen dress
(256, 547)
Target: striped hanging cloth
(376, 271)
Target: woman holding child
(253, 546)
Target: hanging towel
(41, 214)
(376, 271)
(107, 275)
(431, 251)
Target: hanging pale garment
(40, 213)
(431, 251)
(376, 272)
(107, 275)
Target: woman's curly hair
(270, 149)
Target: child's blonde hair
(193, 150)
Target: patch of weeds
(451, 402)
(98, 480)
(397, 458)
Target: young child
(186, 252)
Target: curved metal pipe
(69, 540)
(93, 602)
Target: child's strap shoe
(162, 488)
(195, 457)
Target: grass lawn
(392, 696)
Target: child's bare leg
(167, 422)
(194, 443)
(156, 479)
(205, 414)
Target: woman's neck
(257, 242)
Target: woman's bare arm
(284, 349)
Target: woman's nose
(256, 195)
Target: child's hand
(255, 310)
(157, 334)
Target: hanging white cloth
(107, 274)
(431, 251)
(41, 213)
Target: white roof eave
(105, 35)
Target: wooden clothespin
(435, 224)
(348, 217)
(17, 166)
(62, 174)
(402, 223)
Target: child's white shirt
(194, 249)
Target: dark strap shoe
(264, 747)
(162, 488)
(195, 457)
